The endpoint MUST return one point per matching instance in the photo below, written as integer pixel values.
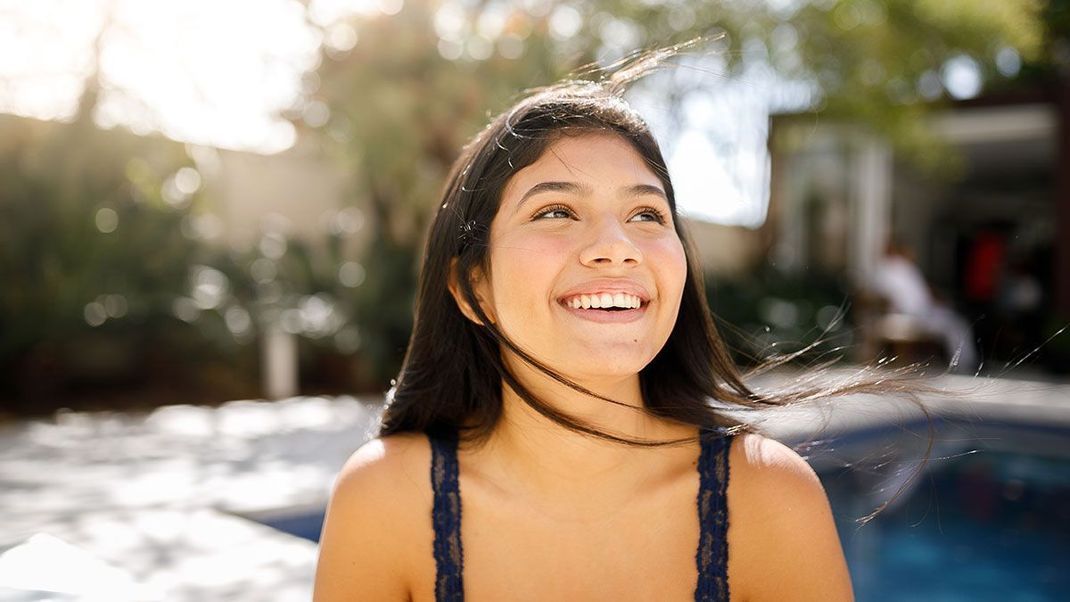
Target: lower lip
(607, 317)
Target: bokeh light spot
(511, 46)
(273, 245)
(351, 274)
(347, 340)
(237, 320)
(263, 270)
(115, 306)
(187, 180)
(316, 114)
(565, 22)
(450, 50)
(341, 37)
(107, 220)
(185, 309)
(209, 287)
(347, 221)
(929, 86)
(962, 77)
(95, 314)
(391, 7)
(480, 48)
(1008, 62)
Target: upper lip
(611, 286)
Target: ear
(478, 287)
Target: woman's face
(587, 270)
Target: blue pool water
(987, 523)
(307, 525)
(984, 526)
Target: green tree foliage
(89, 249)
(881, 63)
(417, 84)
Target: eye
(650, 214)
(553, 212)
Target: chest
(642, 549)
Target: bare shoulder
(373, 524)
(385, 465)
(768, 465)
(782, 536)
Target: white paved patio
(152, 497)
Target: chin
(585, 368)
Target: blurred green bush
(95, 247)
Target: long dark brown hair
(454, 370)
(453, 373)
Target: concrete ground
(143, 507)
(148, 507)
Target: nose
(609, 244)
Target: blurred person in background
(898, 280)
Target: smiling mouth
(609, 302)
(605, 310)
(607, 315)
(609, 309)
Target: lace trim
(711, 558)
(712, 555)
(446, 516)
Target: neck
(537, 456)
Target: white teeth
(603, 300)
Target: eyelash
(659, 215)
(550, 209)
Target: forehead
(596, 159)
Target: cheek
(671, 261)
(524, 270)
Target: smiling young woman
(557, 388)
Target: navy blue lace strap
(711, 558)
(712, 555)
(446, 517)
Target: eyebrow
(574, 188)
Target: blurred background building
(986, 222)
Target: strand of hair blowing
(453, 372)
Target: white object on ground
(45, 565)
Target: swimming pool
(982, 524)
(989, 520)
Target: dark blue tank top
(711, 557)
